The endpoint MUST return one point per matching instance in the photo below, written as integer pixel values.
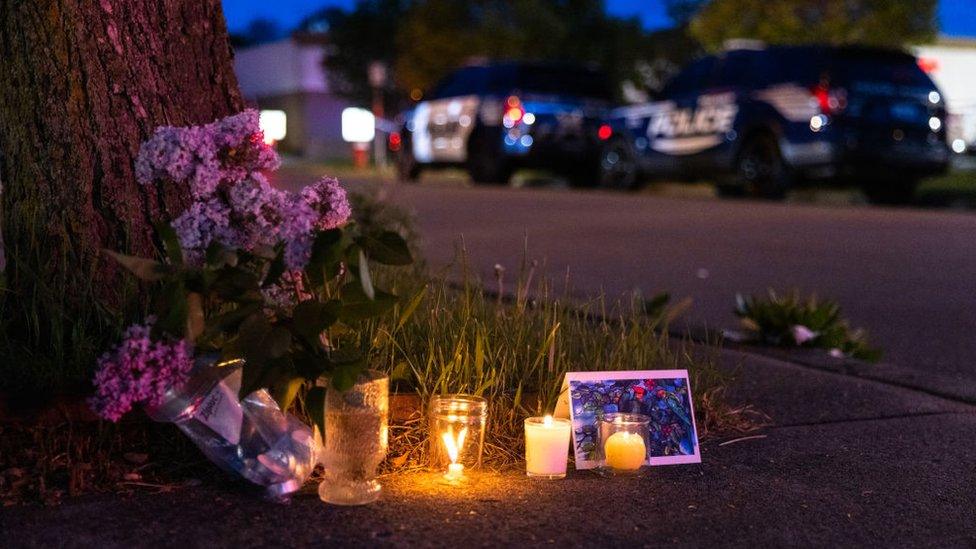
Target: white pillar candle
(546, 446)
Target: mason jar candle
(624, 440)
(457, 434)
(546, 446)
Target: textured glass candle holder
(356, 438)
(457, 433)
(624, 440)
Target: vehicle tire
(408, 170)
(618, 167)
(730, 188)
(892, 191)
(485, 163)
(584, 175)
(761, 170)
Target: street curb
(934, 384)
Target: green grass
(451, 336)
(957, 187)
(52, 325)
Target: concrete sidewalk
(847, 461)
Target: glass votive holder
(546, 447)
(457, 433)
(624, 441)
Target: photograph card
(662, 395)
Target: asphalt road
(906, 275)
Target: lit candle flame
(453, 447)
(547, 421)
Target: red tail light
(395, 141)
(928, 64)
(514, 111)
(605, 132)
(830, 101)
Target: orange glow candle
(625, 451)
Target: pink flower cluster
(139, 370)
(235, 205)
(288, 292)
(223, 152)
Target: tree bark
(83, 83)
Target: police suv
(761, 119)
(495, 118)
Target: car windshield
(569, 81)
(852, 66)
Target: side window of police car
(468, 81)
(690, 81)
(737, 70)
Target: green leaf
(171, 243)
(401, 372)
(219, 256)
(260, 374)
(357, 306)
(655, 306)
(311, 318)
(310, 366)
(275, 270)
(411, 308)
(326, 256)
(344, 375)
(261, 341)
(173, 302)
(237, 284)
(388, 248)
(365, 280)
(228, 321)
(144, 269)
(315, 407)
(285, 390)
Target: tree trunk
(83, 83)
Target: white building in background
(289, 76)
(951, 62)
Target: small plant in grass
(790, 321)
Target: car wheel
(896, 191)
(618, 166)
(485, 163)
(730, 189)
(408, 170)
(761, 170)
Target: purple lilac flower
(329, 200)
(226, 151)
(139, 370)
(174, 154)
(241, 138)
(288, 292)
(297, 230)
(234, 203)
(205, 221)
(256, 208)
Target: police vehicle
(761, 119)
(496, 118)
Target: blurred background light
(358, 125)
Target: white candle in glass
(546, 446)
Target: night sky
(958, 17)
